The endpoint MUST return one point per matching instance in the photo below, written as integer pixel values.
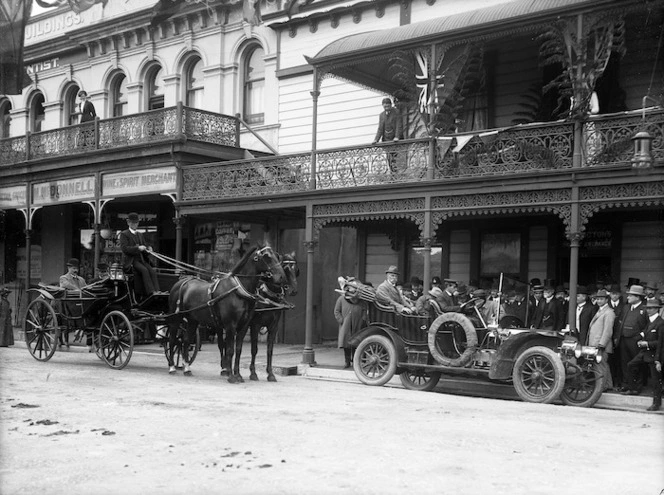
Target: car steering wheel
(468, 303)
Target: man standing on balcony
(389, 129)
(85, 108)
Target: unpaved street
(74, 426)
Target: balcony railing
(165, 124)
(529, 148)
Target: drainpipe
(308, 355)
(426, 241)
(314, 129)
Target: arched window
(194, 84)
(37, 112)
(254, 86)
(71, 105)
(155, 86)
(119, 95)
(5, 118)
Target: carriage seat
(55, 290)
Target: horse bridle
(272, 264)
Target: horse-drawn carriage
(542, 365)
(108, 312)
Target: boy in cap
(388, 294)
(135, 253)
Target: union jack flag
(422, 82)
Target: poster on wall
(501, 253)
(35, 262)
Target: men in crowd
(617, 304)
(435, 282)
(388, 294)
(550, 317)
(537, 305)
(413, 290)
(135, 251)
(561, 296)
(71, 280)
(584, 313)
(448, 301)
(651, 291)
(649, 353)
(86, 109)
(633, 321)
(600, 334)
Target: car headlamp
(568, 347)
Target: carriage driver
(135, 255)
(388, 294)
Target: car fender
(511, 348)
(380, 329)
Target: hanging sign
(12, 197)
(155, 180)
(63, 191)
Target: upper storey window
(119, 102)
(71, 106)
(155, 85)
(5, 118)
(194, 84)
(37, 113)
(254, 86)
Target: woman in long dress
(350, 312)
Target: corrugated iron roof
(490, 17)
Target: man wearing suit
(584, 313)
(549, 314)
(448, 301)
(649, 354)
(388, 294)
(633, 321)
(600, 334)
(389, 129)
(617, 304)
(85, 108)
(135, 253)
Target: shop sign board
(137, 182)
(63, 191)
(12, 198)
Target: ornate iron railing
(529, 147)
(608, 139)
(258, 177)
(165, 124)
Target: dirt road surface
(74, 426)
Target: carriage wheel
(583, 389)
(194, 345)
(41, 329)
(375, 360)
(419, 379)
(116, 340)
(538, 375)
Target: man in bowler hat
(633, 321)
(388, 294)
(71, 280)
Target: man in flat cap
(387, 293)
(71, 280)
(135, 251)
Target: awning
(464, 24)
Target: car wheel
(584, 388)
(538, 375)
(375, 360)
(419, 379)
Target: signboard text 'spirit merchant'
(140, 182)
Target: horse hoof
(187, 372)
(171, 370)
(223, 372)
(253, 377)
(271, 378)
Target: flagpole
(432, 100)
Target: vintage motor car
(542, 365)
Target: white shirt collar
(133, 231)
(653, 317)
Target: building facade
(262, 126)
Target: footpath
(329, 365)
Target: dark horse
(224, 303)
(268, 315)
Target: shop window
(194, 84)
(71, 106)
(254, 86)
(155, 88)
(37, 113)
(5, 118)
(119, 95)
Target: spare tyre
(452, 323)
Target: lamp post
(642, 159)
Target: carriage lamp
(115, 272)
(106, 233)
(568, 348)
(588, 352)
